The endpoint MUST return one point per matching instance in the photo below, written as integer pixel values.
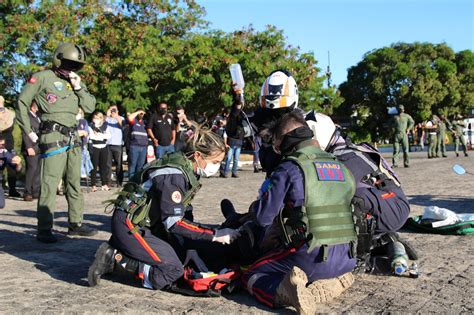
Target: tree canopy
(426, 78)
(141, 54)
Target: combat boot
(46, 236)
(78, 229)
(103, 264)
(227, 208)
(125, 264)
(292, 291)
(326, 290)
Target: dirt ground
(37, 277)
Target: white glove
(225, 236)
(33, 136)
(75, 80)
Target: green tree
(144, 52)
(426, 78)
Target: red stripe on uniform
(194, 228)
(142, 242)
(388, 195)
(265, 294)
(263, 300)
(269, 258)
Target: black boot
(78, 229)
(126, 264)
(227, 208)
(46, 236)
(12, 192)
(103, 264)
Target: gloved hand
(33, 136)
(75, 81)
(225, 236)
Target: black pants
(154, 254)
(32, 175)
(11, 180)
(115, 156)
(100, 158)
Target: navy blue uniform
(389, 206)
(159, 264)
(5, 160)
(285, 189)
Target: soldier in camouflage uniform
(441, 145)
(458, 126)
(431, 128)
(59, 93)
(402, 125)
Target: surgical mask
(209, 170)
(97, 122)
(78, 116)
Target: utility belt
(61, 145)
(50, 126)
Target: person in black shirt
(235, 139)
(162, 132)
(182, 125)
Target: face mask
(209, 170)
(97, 122)
(162, 111)
(78, 116)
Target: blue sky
(349, 29)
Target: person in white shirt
(99, 133)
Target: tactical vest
(134, 198)
(138, 135)
(326, 216)
(381, 169)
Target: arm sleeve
(25, 99)
(411, 123)
(86, 100)
(9, 156)
(149, 125)
(27, 141)
(107, 135)
(272, 195)
(170, 189)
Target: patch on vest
(329, 171)
(51, 98)
(266, 186)
(176, 196)
(58, 85)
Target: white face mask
(98, 122)
(209, 170)
(78, 116)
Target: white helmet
(323, 129)
(279, 91)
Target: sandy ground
(36, 277)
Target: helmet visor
(71, 65)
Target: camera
(114, 110)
